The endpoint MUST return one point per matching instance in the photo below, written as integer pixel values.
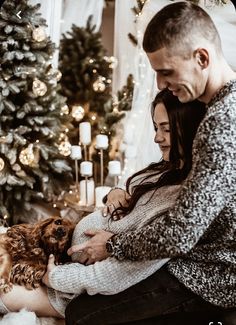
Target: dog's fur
(25, 248)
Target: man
(198, 234)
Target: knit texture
(199, 233)
(110, 276)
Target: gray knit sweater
(110, 276)
(199, 233)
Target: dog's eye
(57, 222)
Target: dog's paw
(5, 286)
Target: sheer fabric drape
(77, 12)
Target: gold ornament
(58, 74)
(39, 88)
(65, 109)
(39, 34)
(77, 112)
(65, 148)
(2, 164)
(26, 156)
(55, 73)
(99, 86)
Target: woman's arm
(107, 277)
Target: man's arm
(207, 190)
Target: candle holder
(76, 179)
(101, 167)
(76, 155)
(85, 152)
(116, 180)
(86, 191)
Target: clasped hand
(92, 250)
(116, 198)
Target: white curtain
(77, 12)
(140, 149)
(124, 50)
(224, 18)
(138, 135)
(51, 10)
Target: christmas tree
(33, 120)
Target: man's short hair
(180, 26)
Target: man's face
(183, 77)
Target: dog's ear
(18, 232)
(39, 228)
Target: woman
(150, 192)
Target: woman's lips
(163, 148)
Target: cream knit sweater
(110, 276)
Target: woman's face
(162, 129)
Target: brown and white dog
(25, 248)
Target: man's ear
(202, 57)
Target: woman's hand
(116, 198)
(51, 265)
(94, 249)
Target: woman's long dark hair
(184, 119)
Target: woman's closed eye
(163, 129)
(166, 130)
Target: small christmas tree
(33, 120)
(86, 70)
(86, 82)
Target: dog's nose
(60, 232)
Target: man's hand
(50, 267)
(92, 250)
(116, 198)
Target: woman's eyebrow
(164, 123)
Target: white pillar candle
(76, 152)
(90, 192)
(114, 168)
(101, 141)
(86, 168)
(100, 192)
(85, 133)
